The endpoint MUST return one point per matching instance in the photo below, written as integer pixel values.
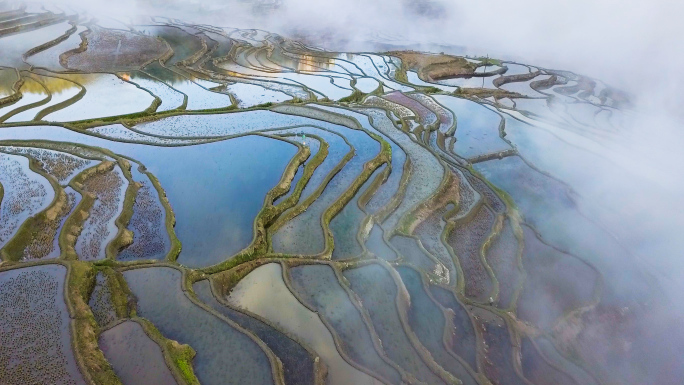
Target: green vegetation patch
(93, 364)
(178, 356)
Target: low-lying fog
(632, 45)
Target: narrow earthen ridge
(498, 82)
(493, 155)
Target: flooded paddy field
(378, 293)
(298, 361)
(318, 288)
(36, 333)
(264, 293)
(136, 358)
(25, 193)
(183, 204)
(214, 337)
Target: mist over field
(627, 179)
(631, 45)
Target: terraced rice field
(212, 205)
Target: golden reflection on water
(31, 86)
(57, 85)
(315, 63)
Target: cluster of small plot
(409, 249)
(79, 151)
(184, 126)
(467, 195)
(377, 291)
(425, 116)
(423, 183)
(430, 231)
(496, 203)
(43, 243)
(466, 239)
(385, 104)
(497, 363)
(109, 49)
(319, 288)
(32, 351)
(147, 224)
(121, 133)
(101, 302)
(107, 187)
(23, 195)
(446, 117)
(57, 164)
(502, 257)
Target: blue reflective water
(477, 128)
(225, 354)
(215, 189)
